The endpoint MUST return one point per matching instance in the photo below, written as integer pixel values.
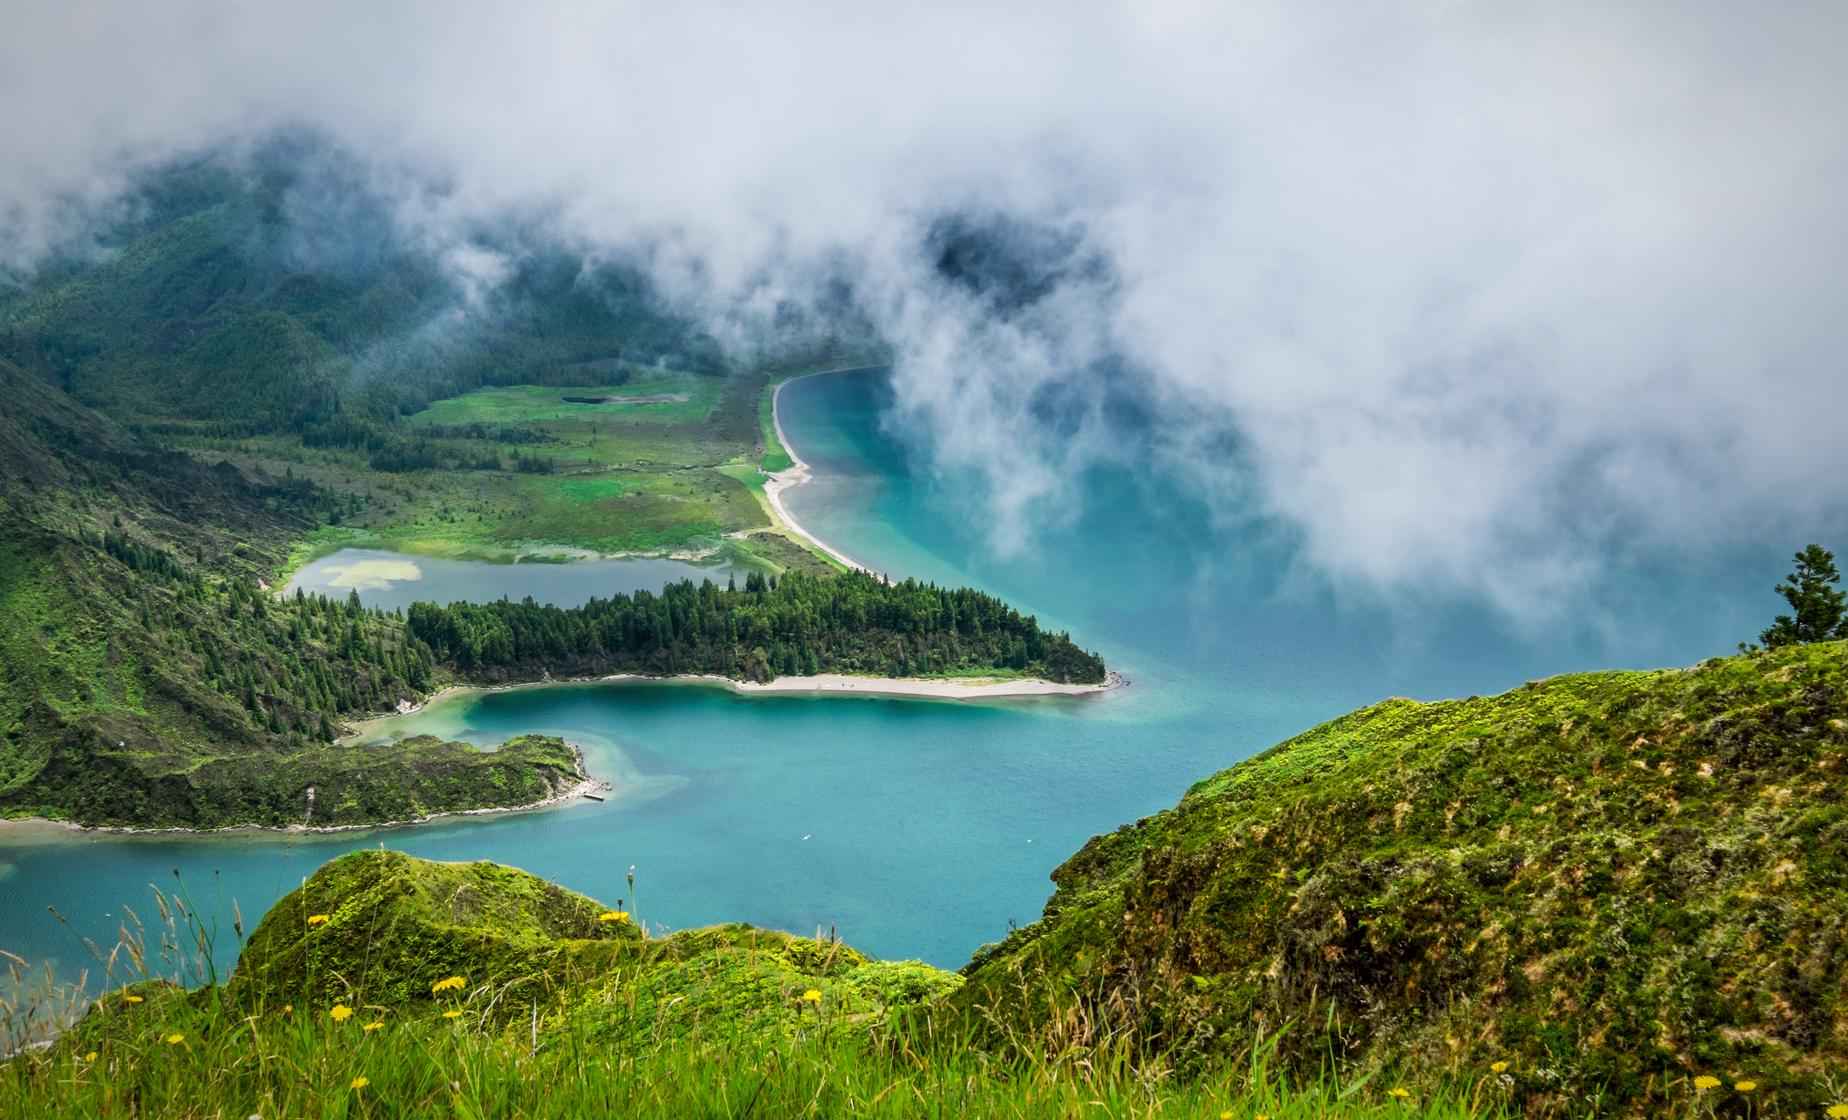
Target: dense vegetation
(803, 625)
(149, 679)
(1615, 893)
(1614, 882)
(145, 677)
(246, 368)
(388, 986)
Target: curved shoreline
(585, 784)
(775, 482)
(821, 684)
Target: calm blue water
(393, 581)
(918, 828)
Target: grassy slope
(1614, 882)
(564, 1008)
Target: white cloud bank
(1475, 288)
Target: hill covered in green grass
(1611, 882)
(1610, 893)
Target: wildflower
(373, 1026)
(1498, 1067)
(452, 984)
(91, 1057)
(1706, 1081)
(287, 1007)
(175, 1039)
(361, 1082)
(452, 1013)
(316, 919)
(131, 999)
(1398, 1093)
(1226, 1115)
(813, 995)
(1745, 1086)
(1838, 1112)
(341, 1012)
(612, 916)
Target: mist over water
(922, 829)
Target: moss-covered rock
(383, 930)
(1613, 882)
(381, 927)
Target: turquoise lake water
(921, 828)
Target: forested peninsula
(199, 404)
(853, 623)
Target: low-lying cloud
(1477, 292)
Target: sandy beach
(796, 475)
(939, 688)
(922, 688)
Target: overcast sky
(1484, 292)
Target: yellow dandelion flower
(287, 1007)
(131, 999)
(452, 1013)
(175, 1039)
(452, 984)
(1398, 1093)
(1259, 1116)
(316, 919)
(1226, 1115)
(1498, 1067)
(373, 1026)
(361, 1081)
(341, 1012)
(91, 1057)
(813, 995)
(1745, 1086)
(1706, 1081)
(1838, 1112)
(612, 916)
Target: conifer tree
(1818, 608)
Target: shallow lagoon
(920, 828)
(393, 580)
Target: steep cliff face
(1613, 882)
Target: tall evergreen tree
(1818, 608)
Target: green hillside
(1613, 882)
(1611, 893)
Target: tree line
(797, 626)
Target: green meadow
(657, 462)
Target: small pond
(391, 580)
